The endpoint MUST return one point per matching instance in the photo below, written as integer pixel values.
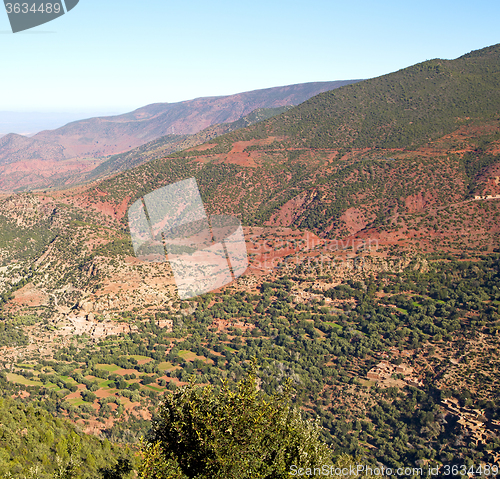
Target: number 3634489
(33, 7)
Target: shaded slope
(35, 444)
(397, 110)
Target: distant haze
(29, 123)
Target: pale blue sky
(110, 55)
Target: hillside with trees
(371, 220)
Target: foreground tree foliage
(232, 433)
(34, 444)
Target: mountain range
(66, 154)
(377, 154)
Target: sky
(113, 56)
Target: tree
(237, 432)
(121, 469)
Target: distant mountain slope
(167, 144)
(31, 122)
(109, 135)
(64, 156)
(15, 147)
(35, 173)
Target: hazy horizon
(29, 123)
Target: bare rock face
(86, 306)
(90, 317)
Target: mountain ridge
(167, 144)
(186, 117)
